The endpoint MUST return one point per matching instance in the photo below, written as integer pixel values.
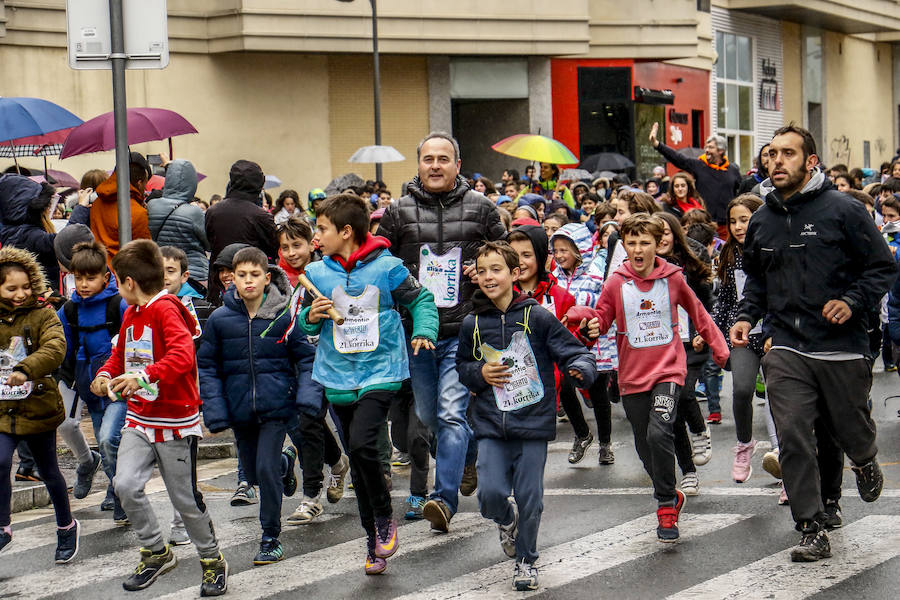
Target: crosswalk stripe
(574, 560)
(863, 544)
(297, 571)
(90, 569)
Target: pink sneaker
(782, 497)
(741, 469)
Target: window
(734, 96)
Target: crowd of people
(461, 322)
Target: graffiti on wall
(840, 150)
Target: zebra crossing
(588, 537)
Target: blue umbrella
(22, 117)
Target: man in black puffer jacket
(436, 229)
(815, 266)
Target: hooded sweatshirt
(105, 216)
(645, 311)
(174, 221)
(583, 283)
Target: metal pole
(377, 85)
(123, 180)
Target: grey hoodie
(174, 221)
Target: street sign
(145, 27)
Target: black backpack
(66, 372)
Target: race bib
(359, 333)
(549, 303)
(648, 315)
(9, 358)
(524, 387)
(139, 356)
(684, 325)
(189, 304)
(441, 274)
(740, 280)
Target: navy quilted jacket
(245, 378)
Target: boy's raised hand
(495, 374)
(100, 386)
(419, 343)
(318, 309)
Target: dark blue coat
(551, 343)
(245, 378)
(94, 347)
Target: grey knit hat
(66, 239)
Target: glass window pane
(730, 139)
(746, 157)
(731, 106)
(720, 103)
(720, 49)
(745, 107)
(744, 59)
(730, 57)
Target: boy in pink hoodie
(642, 297)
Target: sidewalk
(29, 494)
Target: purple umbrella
(144, 125)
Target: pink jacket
(648, 341)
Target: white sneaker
(309, 509)
(336, 479)
(771, 464)
(690, 484)
(509, 532)
(701, 443)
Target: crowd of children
(606, 299)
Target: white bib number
(138, 356)
(740, 280)
(441, 274)
(684, 325)
(549, 303)
(648, 315)
(359, 333)
(524, 387)
(9, 358)
(189, 304)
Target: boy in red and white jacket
(642, 297)
(153, 368)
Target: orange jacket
(105, 216)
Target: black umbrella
(606, 161)
(342, 182)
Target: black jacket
(458, 218)
(799, 253)
(716, 186)
(551, 344)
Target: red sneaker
(714, 418)
(667, 531)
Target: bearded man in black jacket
(816, 266)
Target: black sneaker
(813, 544)
(270, 551)
(290, 478)
(119, 516)
(215, 576)
(579, 446)
(84, 478)
(25, 474)
(151, 566)
(833, 518)
(67, 543)
(469, 482)
(869, 480)
(5, 539)
(606, 455)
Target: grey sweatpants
(177, 462)
(806, 394)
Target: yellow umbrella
(537, 148)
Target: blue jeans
(517, 467)
(259, 447)
(108, 423)
(441, 403)
(711, 377)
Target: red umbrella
(144, 125)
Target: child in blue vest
(90, 320)
(506, 354)
(362, 362)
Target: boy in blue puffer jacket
(90, 320)
(250, 365)
(362, 361)
(506, 354)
